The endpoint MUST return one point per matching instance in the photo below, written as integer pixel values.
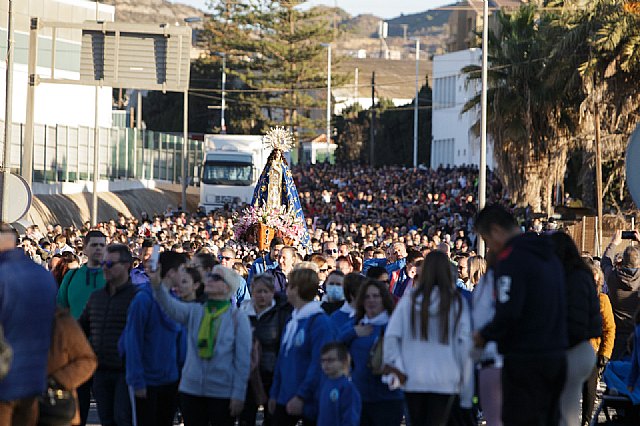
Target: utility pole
(223, 123)
(355, 88)
(404, 31)
(8, 119)
(596, 118)
(328, 102)
(372, 136)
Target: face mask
(335, 292)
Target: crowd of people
(390, 317)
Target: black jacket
(268, 329)
(103, 321)
(583, 307)
(530, 313)
(624, 293)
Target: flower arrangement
(282, 220)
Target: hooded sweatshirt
(449, 369)
(530, 313)
(298, 370)
(624, 292)
(149, 343)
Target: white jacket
(431, 366)
(484, 308)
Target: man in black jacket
(623, 282)
(103, 320)
(529, 324)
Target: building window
(444, 93)
(443, 152)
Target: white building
(55, 104)
(454, 142)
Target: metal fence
(65, 154)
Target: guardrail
(65, 154)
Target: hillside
(428, 23)
(152, 11)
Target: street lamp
(482, 178)
(328, 46)
(415, 106)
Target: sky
(383, 8)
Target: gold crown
(279, 139)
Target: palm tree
(526, 119)
(600, 47)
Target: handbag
(255, 379)
(57, 406)
(376, 355)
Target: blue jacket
(634, 374)
(339, 319)
(139, 276)
(339, 403)
(370, 387)
(298, 371)
(149, 343)
(260, 267)
(27, 306)
(390, 267)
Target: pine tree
(274, 50)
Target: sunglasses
(215, 277)
(109, 263)
(331, 251)
(227, 258)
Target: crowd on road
(391, 316)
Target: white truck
(231, 168)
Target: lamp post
(482, 178)
(328, 46)
(415, 106)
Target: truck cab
(231, 167)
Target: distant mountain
(152, 11)
(427, 23)
(430, 22)
(365, 25)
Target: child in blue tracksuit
(339, 402)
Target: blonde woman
(477, 268)
(216, 371)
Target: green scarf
(210, 325)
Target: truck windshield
(222, 173)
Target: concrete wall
(75, 209)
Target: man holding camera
(623, 282)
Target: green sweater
(77, 285)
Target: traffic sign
(17, 199)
